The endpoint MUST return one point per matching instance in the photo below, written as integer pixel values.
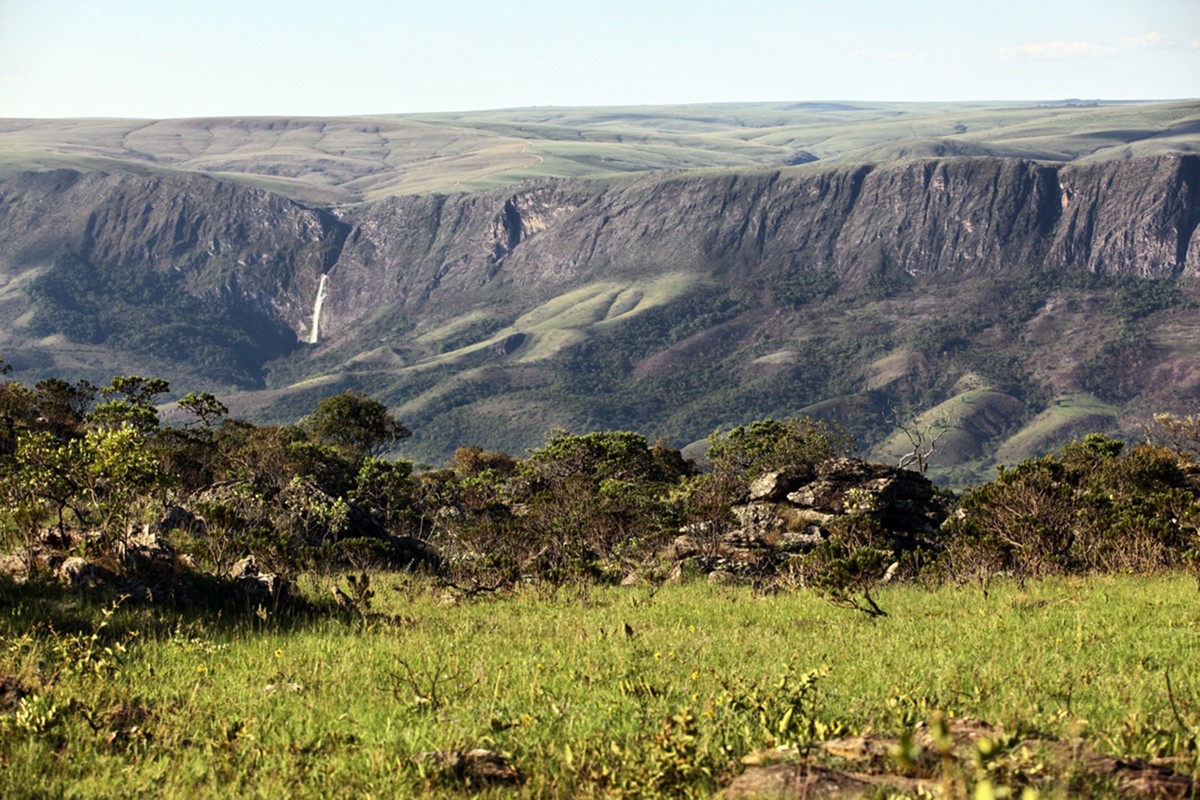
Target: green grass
(1067, 416)
(363, 159)
(555, 683)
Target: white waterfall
(316, 323)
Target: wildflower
(279, 653)
(202, 669)
(658, 656)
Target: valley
(1016, 274)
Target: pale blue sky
(165, 58)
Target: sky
(188, 58)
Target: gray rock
(80, 573)
(720, 577)
(14, 568)
(247, 566)
(772, 487)
(147, 555)
(177, 518)
(269, 589)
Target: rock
(787, 781)
(772, 487)
(720, 577)
(683, 546)
(477, 765)
(800, 541)
(86, 575)
(55, 539)
(686, 569)
(902, 500)
(146, 555)
(632, 579)
(259, 588)
(14, 568)
(247, 566)
(269, 589)
(177, 518)
(757, 518)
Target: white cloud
(1051, 50)
(1144, 40)
(1060, 49)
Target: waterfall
(316, 322)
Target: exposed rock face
(783, 519)
(220, 237)
(928, 216)
(503, 292)
(259, 589)
(773, 487)
(902, 500)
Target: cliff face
(929, 217)
(218, 236)
(500, 294)
(922, 218)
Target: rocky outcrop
(933, 216)
(217, 236)
(904, 502)
(265, 589)
(785, 517)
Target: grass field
(349, 160)
(587, 692)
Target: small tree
(63, 406)
(795, 446)
(923, 439)
(121, 475)
(387, 488)
(129, 401)
(208, 410)
(357, 425)
(41, 480)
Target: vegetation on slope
(570, 687)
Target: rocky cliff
(431, 276)
(929, 217)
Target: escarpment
(707, 296)
(927, 217)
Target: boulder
(86, 575)
(720, 577)
(260, 589)
(13, 568)
(772, 487)
(902, 500)
(146, 555)
(757, 520)
(263, 590)
(793, 542)
(177, 518)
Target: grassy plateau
(595, 692)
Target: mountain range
(1011, 274)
